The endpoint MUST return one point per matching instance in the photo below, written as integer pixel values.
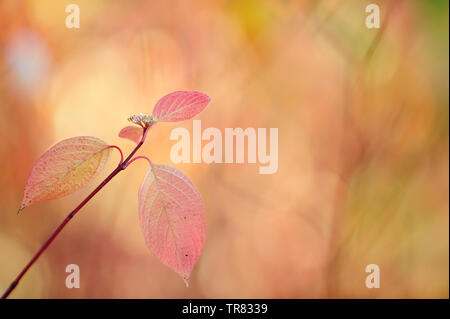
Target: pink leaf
(133, 133)
(179, 106)
(65, 168)
(172, 217)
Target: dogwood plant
(171, 209)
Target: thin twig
(136, 158)
(122, 165)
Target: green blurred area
(363, 144)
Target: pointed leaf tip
(64, 168)
(131, 132)
(172, 218)
(180, 106)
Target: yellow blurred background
(363, 144)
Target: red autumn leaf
(172, 217)
(179, 106)
(133, 133)
(64, 168)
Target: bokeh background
(363, 144)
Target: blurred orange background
(363, 144)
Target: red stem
(136, 158)
(120, 151)
(122, 165)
